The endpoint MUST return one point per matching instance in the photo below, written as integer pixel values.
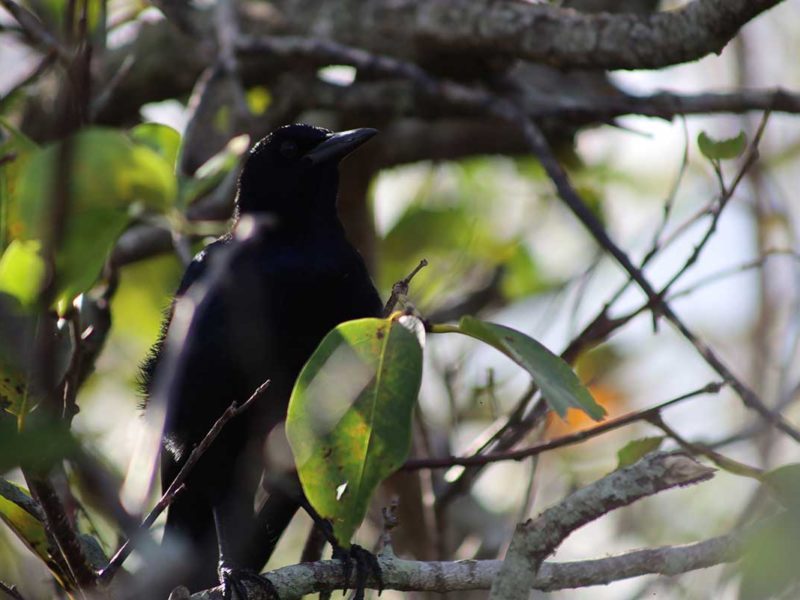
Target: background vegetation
(679, 136)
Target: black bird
(284, 277)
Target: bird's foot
(234, 588)
(366, 566)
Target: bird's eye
(289, 149)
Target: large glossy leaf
(349, 420)
(559, 384)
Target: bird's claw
(366, 565)
(232, 580)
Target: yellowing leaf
(349, 419)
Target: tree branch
(537, 32)
(652, 474)
(536, 539)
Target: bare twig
(235, 409)
(723, 462)
(11, 591)
(35, 30)
(559, 442)
(400, 288)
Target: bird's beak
(338, 145)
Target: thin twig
(175, 487)
(35, 30)
(723, 462)
(400, 288)
(11, 590)
(559, 442)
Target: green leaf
(784, 483)
(522, 276)
(559, 384)
(213, 171)
(20, 331)
(22, 270)
(38, 447)
(769, 564)
(162, 139)
(721, 149)
(88, 238)
(22, 516)
(349, 419)
(106, 170)
(16, 148)
(109, 175)
(258, 99)
(636, 449)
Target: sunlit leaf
(22, 270)
(558, 383)
(213, 171)
(349, 419)
(721, 149)
(108, 176)
(21, 515)
(636, 449)
(18, 511)
(258, 99)
(160, 138)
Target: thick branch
(536, 539)
(409, 575)
(535, 32)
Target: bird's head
(292, 174)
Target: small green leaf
(636, 449)
(213, 171)
(558, 383)
(258, 99)
(349, 419)
(162, 139)
(721, 149)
